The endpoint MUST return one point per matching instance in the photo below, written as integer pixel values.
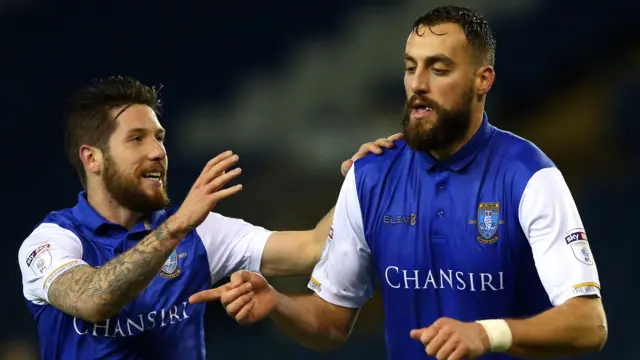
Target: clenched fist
(449, 339)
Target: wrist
(498, 335)
(177, 228)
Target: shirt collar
(467, 153)
(88, 217)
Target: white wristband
(499, 334)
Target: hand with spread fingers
(370, 147)
(448, 339)
(247, 298)
(209, 189)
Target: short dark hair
(89, 120)
(475, 27)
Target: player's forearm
(295, 253)
(304, 320)
(320, 234)
(576, 327)
(95, 295)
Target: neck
(104, 204)
(476, 121)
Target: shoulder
(521, 158)
(47, 242)
(374, 163)
(48, 233)
(371, 169)
(56, 226)
(62, 218)
(527, 157)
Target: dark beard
(451, 125)
(126, 191)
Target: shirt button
(441, 213)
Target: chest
(446, 230)
(163, 304)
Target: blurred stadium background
(295, 87)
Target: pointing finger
(209, 295)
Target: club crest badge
(170, 268)
(487, 222)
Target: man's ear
(485, 76)
(92, 159)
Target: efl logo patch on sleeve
(577, 240)
(40, 259)
(314, 285)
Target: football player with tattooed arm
(471, 231)
(110, 277)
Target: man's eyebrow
(433, 59)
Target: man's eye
(439, 71)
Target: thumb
(416, 333)
(346, 165)
(209, 295)
(239, 277)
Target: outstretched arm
(295, 253)
(342, 280)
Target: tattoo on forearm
(106, 290)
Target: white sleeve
(550, 219)
(344, 274)
(231, 245)
(47, 253)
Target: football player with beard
(471, 231)
(110, 277)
